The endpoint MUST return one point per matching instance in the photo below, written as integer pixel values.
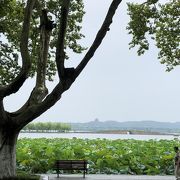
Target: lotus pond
(104, 156)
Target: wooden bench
(71, 165)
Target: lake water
(96, 135)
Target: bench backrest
(71, 164)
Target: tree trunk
(8, 139)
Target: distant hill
(97, 125)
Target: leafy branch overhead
(35, 36)
(43, 30)
(12, 15)
(159, 22)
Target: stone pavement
(105, 177)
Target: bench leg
(84, 174)
(57, 173)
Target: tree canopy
(149, 20)
(159, 22)
(34, 38)
(11, 22)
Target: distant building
(129, 132)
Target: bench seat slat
(71, 165)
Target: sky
(117, 84)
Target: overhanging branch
(99, 37)
(36, 110)
(14, 86)
(60, 54)
(40, 90)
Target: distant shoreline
(132, 132)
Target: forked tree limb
(99, 37)
(60, 54)
(36, 110)
(14, 86)
(40, 90)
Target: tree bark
(60, 54)
(12, 123)
(8, 140)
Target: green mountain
(97, 125)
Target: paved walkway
(106, 177)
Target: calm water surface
(95, 136)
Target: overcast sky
(117, 84)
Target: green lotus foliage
(104, 156)
(160, 22)
(11, 20)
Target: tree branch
(14, 86)
(3, 114)
(36, 110)
(99, 37)
(60, 54)
(40, 90)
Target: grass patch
(23, 176)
